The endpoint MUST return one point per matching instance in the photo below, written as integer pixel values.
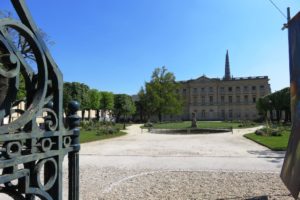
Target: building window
(203, 100)
(238, 114)
(222, 99)
(230, 99)
(245, 88)
(230, 113)
(211, 89)
(195, 99)
(238, 99)
(203, 114)
(254, 99)
(246, 99)
(223, 114)
(253, 88)
(222, 89)
(184, 91)
(229, 89)
(202, 89)
(262, 87)
(195, 90)
(237, 88)
(211, 99)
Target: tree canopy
(94, 99)
(160, 97)
(78, 92)
(124, 106)
(278, 101)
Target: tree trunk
(98, 115)
(9, 118)
(124, 125)
(271, 115)
(286, 117)
(278, 116)
(82, 115)
(89, 115)
(141, 116)
(104, 115)
(159, 117)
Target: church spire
(227, 67)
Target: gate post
(33, 147)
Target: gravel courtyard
(155, 166)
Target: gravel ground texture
(157, 166)
(143, 166)
(118, 184)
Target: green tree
(286, 95)
(94, 101)
(78, 92)
(161, 97)
(106, 102)
(67, 95)
(278, 101)
(123, 107)
(21, 95)
(263, 106)
(143, 106)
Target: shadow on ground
(271, 156)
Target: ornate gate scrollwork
(32, 153)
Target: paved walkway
(140, 150)
(141, 165)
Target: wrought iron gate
(31, 154)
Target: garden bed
(277, 142)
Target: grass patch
(275, 143)
(89, 136)
(202, 124)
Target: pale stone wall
(217, 99)
(107, 116)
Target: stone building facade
(230, 98)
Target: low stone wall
(189, 131)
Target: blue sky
(114, 45)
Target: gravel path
(115, 183)
(155, 166)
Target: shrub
(260, 132)
(100, 127)
(87, 125)
(276, 133)
(269, 132)
(148, 125)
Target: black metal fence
(32, 152)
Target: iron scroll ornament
(31, 154)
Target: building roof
(205, 78)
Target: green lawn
(200, 124)
(89, 136)
(275, 143)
